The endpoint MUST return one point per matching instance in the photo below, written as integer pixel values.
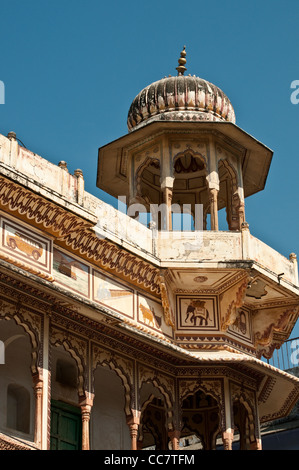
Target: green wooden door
(65, 427)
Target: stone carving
(229, 308)
(168, 311)
(211, 387)
(43, 212)
(272, 335)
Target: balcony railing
(287, 357)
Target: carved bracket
(231, 301)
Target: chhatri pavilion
(117, 334)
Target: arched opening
(64, 376)
(66, 426)
(148, 183)
(108, 425)
(243, 425)
(200, 417)
(190, 191)
(195, 197)
(16, 391)
(148, 192)
(153, 429)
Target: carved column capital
(133, 423)
(213, 197)
(86, 403)
(227, 438)
(38, 386)
(174, 436)
(167, 199)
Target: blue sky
(72, 68)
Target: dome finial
(182, 61)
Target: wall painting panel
(113, 294)
(70, 272)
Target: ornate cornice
(26, 267)
(77, 234)
(45, 214)
(109, 256)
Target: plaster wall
(63, 188)
(270, 258)
(199, 246)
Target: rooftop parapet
(163, 248)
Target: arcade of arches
(187, 189)
(184, 403)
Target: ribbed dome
(180, 98)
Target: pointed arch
(164, 384)
(77, 348)
(32, 325)
(138, 193)
(247, 399)
(123, 369)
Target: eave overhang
(255, 156)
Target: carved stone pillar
(241, 214)
(175, 438)
(213, 195)
(236, 212)
(257, 444)
(228, 432)
(38, 392)
(133, 423)
(167, 199)
(86, 405)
